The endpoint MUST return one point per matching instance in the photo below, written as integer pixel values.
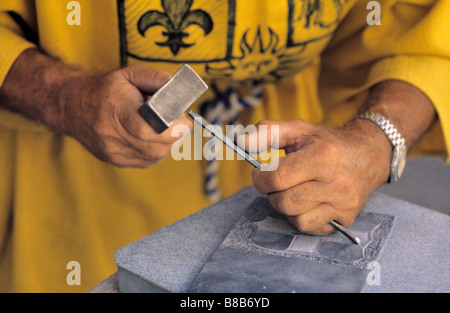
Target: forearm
(37, 85)
(406, 107)
(100, 111)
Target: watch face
(398, 161)
(401, 163)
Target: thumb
(147, 80)
(273, 134)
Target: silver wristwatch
(398, 142)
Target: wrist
(70, 93)
(372, 147)
(396, 139)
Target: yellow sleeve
(17, 19)
(411, 45)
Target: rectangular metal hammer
(166, 105)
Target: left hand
(327, 174)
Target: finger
(138, 128)
(293, 169)
(147, 80)
(123, 161)
(151, 152)
(162, 144)
(316, 221)
(298, 199)
(125, 153)
(126, 157)
(181, 127)
(273, 134)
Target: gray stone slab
(109, 285)
(265, 253)
(173, 256)
(415, 258)
(258, 272)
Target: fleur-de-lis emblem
(177, 16)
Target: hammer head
(172, 99)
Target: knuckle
(264, 123)
(123, 161)
(329, 149)
(304, 224)
(259, 181)
(117, 74)
(100, 132)
(143, 133)
(278, 178)
(134, 67)
(158, 153)
(271, 181)
(283, 204)
(353, 208)
(107, 87)
(115, 159)
(350, 202)
(349, 211)
(354, 203)
(111, 154)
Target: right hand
(101, 113)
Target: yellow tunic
(59, 204)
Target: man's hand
(326, 175)
(100, 111)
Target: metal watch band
(394, 136)
(398, 142)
